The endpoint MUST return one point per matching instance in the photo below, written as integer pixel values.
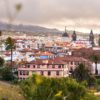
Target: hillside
(27, 28)
(10, 92)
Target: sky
(80, 15)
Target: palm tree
(95, 59)
(10, 45)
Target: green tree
(81, 73)
(10, 45)
(1, 62)
(7, 74)
(42, 88)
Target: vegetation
(81, 73)
(6, 74)
(5, 71)
(1, 62)
(41, 88)
(10, 45)
(10, 92)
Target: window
(59, 66)
(53, 66)
(23, 46)
(71, 63)
(49, 73)
(20, 78)
(23, 78)
(42, 73)
(38, 66)
(47, 65)
(28, 46)
(28, 66)
(22, 66)
(25, 73)
(71, 70)
(57, 73)
(21, 72)
(33, 66)
(63, 66)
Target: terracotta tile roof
(44, 54)
(28, 50)
(85, 52)
(59, 60)
(47, 61)
(72, 58)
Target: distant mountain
(38, 30)
(27, 28)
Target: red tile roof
(44, 54)
(48, 61)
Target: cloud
(56, 13)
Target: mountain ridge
(27, 28)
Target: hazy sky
(80, 15)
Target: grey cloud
(53, 11)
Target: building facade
(55, 67)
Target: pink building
(55, 67)
(48, 67)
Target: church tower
(65, 34)
(91, 38)
(74, 36)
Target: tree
(1, 62)
(7, 74)
(10, 45)
(42, 88)
(81, 73)
(95, 59)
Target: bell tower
(91, 38)
(74, 36)
(65, 34)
